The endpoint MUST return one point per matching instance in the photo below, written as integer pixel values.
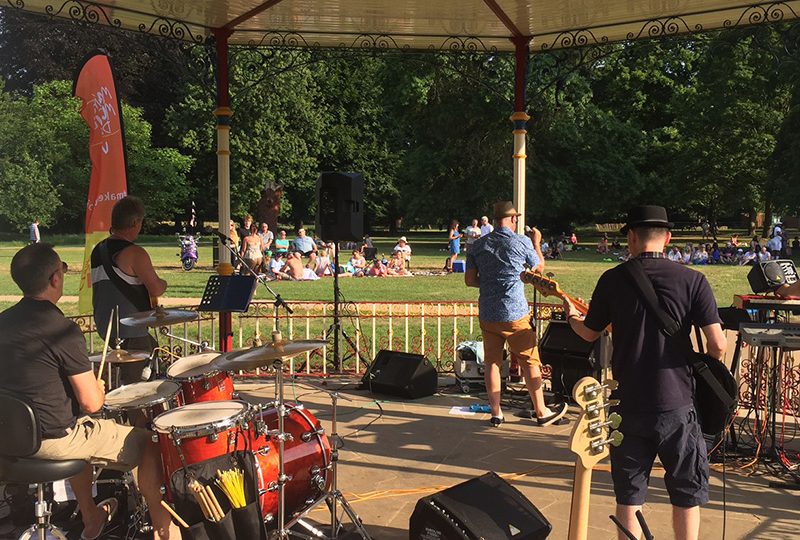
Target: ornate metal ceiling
(479, 25)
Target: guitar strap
(671, 329)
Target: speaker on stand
(340, 216)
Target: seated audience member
(764, 254)
(366, 243)
(403, 247)
(266, 265)
(294, 266)
(45, 361)
(728, 254)
(616, 243)
(755, 244)
(397, 265)
(304, 244)
(358, 263)
(602, 245)
(749, 257)
(377, 268)
(675, 255)
(687, 254)
(700, 256)
(323, 263)
(281, 244)
(715, 254)
(545, 248)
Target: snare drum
(307, 457)
(149, 398)
(199, 380)
(201, 431)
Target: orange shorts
(519, 335)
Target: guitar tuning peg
(611, 384)
(616, 438)
(614, 420)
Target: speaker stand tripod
(336, 327)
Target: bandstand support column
(223, 114)
(520, 119)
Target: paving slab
(396, 451)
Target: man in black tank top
(123, 276)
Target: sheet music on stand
(228, 293)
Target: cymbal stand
(281, 436)
(333, 497)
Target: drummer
(123, 275)
(44, 359)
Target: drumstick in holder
(205, 502)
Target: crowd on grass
(305, 258)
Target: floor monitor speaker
(769, 276)
(340, 206)
(484, 507)
(401, 374)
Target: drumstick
(214, 502)
(174, 514)
(105, 346)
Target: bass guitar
(550, 287)
(591, 436)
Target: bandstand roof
(417, 24)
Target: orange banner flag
(101, 111)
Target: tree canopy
(706, 125)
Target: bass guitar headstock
(595, 429)
(547, 286)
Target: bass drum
(307, 459)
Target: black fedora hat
(646, 216)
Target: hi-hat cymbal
(258, 357)
(121, 356)
(159, 317)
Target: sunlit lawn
(577, 274)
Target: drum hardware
(309, 434)
(202, 346)
(158, 317)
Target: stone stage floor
(396, 451)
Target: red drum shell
(205, 430)
(305, 462)
(199, 380)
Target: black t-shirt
(40, 349)
(651, 370)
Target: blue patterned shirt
(499, 257)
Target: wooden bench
(608, 227)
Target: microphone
(223, 237)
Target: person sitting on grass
(377, 269)
(700, 256)
(323, 263)
(397, 265)
(294, 266)
(675, 255)
(281, 244)
(403, 247)
(358, 263)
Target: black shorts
(676, 439)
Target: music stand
(228, 293)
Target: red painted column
(223, 114)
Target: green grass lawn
(577, 273)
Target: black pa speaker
(484, 507)
(770, 276)
(401, 374)
(570, 357)
(340, 206)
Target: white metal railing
(433, 329)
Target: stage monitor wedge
(769, 276)
(401, 374)
(486, 507)
(340, 206)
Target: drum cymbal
(121, 356)
(159, 317)
(261, 356)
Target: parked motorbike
(188, 254)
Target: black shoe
(496, 421)
(558, 413)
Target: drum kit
(196, 416)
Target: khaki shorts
(519, 335)
(100, 442)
